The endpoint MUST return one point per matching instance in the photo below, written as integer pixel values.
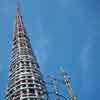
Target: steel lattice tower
(25, 79)
(68, 85)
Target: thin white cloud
(0, 68)
(86, 55)
(86, 63)
(41, 49)
(85, 59)
(43, 43)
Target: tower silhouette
(25, 79)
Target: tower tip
(61, 69)
(18, 3)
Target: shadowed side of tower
(25, 79)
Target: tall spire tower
(25, 79)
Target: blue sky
(63, 33)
